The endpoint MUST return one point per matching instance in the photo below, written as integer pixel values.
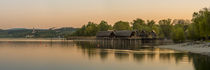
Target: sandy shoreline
(202, 48)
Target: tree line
(39, 33)
(178, 29)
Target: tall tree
(150, 23)
(91, 29)
(121, 25)
(87, 30)
(165, 27)
(180, 27)
(202, 18)
(178, 34)
(184, 23)
(138, 24)
(103, 26)
(193, 32)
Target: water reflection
(121, 55)
(36, 44)
(103, 54)
(96, 55)
(138, 57)
(138, 51)
(115, 44)
(201, 62)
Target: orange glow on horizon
(75, 13)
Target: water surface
(94, 55)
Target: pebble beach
(202, 48)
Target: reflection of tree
(138, 56)
(87, 48)
(103, 54)
(151, 56)
(121, 56)
(91, 53)
(93, 48)
(165, 56)
(201, 62)
(178, 56)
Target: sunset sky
(75, 13)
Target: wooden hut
(142, 34)
(153, 34)
(124, 34)
(105, 34)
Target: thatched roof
(124, 33)
(142, 33)
(153, 33)
(104, 33)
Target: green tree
(103, 26)
(150, 23)
(202, 20)
(165, 28)
(193, 32)
(80, 32)
(87, 30)
(153, 27)
(139, 24)
(183, 22)
(121, 25)
(91, 29)
(178, 33)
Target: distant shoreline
(31, 39)
(202, 48)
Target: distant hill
(23, 29)
(39, 33)
(17, 29)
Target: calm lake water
(94, 55)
